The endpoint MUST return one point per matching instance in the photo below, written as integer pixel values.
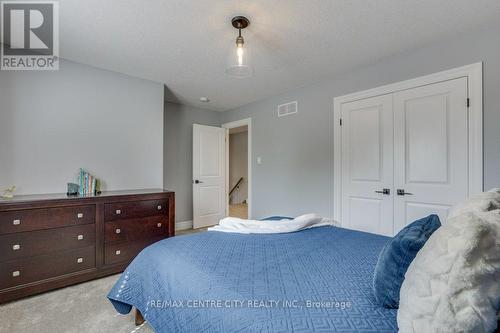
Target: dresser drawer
(22, 271)
(135, 209)
(125, 252)
(45, 218)
(136, 229)
(27, 244)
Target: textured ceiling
(185, 43)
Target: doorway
(238, 172)
(213, 191)
(238, 168)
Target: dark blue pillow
(396, 257)
(277, 218)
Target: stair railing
(236, 186)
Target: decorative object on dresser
(8, 193)
(51, 241)
(73, 189)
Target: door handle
(385, 191)
(402, 192)
(197, 181)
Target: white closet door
(367, 165)
(431, 150)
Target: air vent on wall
(287, 109)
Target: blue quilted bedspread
(316, 280)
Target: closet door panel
(367, 165)
(430, 150)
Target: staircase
(235, 187)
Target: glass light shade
(239, 61)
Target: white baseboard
(184, 225)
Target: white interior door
(367, 165)
(208, 175)
(431, 150)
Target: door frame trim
(474, 74)
(238, 123)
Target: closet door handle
(385, 191)
(402, 192)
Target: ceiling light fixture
(239, 59)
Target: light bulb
(239, 52)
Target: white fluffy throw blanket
(233, 224)
(453, 284)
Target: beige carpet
(189, 231)
(80, 308)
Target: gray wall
(238, 165)
(178, 153)
(54, 122)
(296, 175)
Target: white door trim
(473, 72)
(238, 123)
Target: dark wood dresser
(51, 241)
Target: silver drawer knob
(16, 273)
(79, 260)
(79, 237)
(159, 225)
(118, 211)
(16, 247)
(117, 252)
(79, 215)
(16, 222)
(159, 207)
(118, 230)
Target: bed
(315, 280)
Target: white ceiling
(185, 43)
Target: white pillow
(495, 190)
(480, 202)
(453, 284)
